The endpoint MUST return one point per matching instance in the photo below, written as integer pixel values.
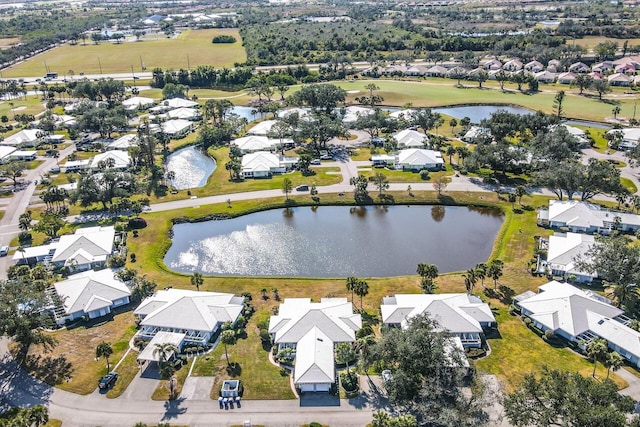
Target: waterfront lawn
(190, 48)
(74, 355)
(403, 176)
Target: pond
(245, 112)
(477, 113)
(336, 241)
(191, 166)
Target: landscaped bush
(24, 237)
(223, 38)
(286, 356)
(117, 261)
(424, 175)
(136, 223)
(527, 321)
(349, 381)
(473, 353)
(265, 337)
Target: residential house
(476, 132)
(580, 317)
(633, 60)
(116, 159)
(91, 293)
(254, 143)
(88, 248)
(383, 160)
(619, 79)
(463, 315)
(177, 128)
(630, 137)
(579, 68)
(24, 138)
(196, 316)
(302, 113)
(352, 113)
(534, 67)
(124, 142)
(415, 71)
(406, 114)
(5, 152)
(562, 253)
(262, 128)
(602, 67)
(554, 66)
(545, 77)
(409, 138)
(183, 113)
(625, 69)
(262, 164)
(179, 103)
(566, 78)
(415, 159)
(24, 155)
(76, 165)
(138, 103)
(436, 71)
(492, 64)
(577, 133)
(583, 217)
(595, 75)
(512, 65)
(456, 72)
(313, 330)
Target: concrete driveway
(197, 387)
(144, 384)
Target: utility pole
(132, 73)
(188, 63)
(100, 64)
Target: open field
(591, 42)
(119, 58)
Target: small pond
(245, 112)
(336, 241)
(191, 166)
(477, 113)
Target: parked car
(302, 188)
(326, 157)
(316, 162)
(108, 381)
(387, 375)
(4, 250)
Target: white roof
(6, 150)
(189, 310)
(314, 359)
(24, 136)
(179, 103)
(456, 313)
(563, 306)
(475, 132)
(545, 75)
(619, 77)
(564, 249)
(630, 136)
(566, 76)
(91, 290)
(175, 126)
(137, 101)
(255, 143)
(149, 353)
(262, 128)
(286, 113)
(417, 157)
(77, 164)
(352, 113)
(411, 138)
(183, 113)
(124, 142)
(406, 114)
(94, 241)
(35, 251)
(121, 159)
(260, 162)
(24, 153)
(615, 332)
(297, 316)
(573, 213)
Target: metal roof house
(197, 315)
(581, 317)
(583, 217)
(91, 293)
(564, 250)
(313, 330)
(463, 315)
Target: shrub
(475, 352)
(265, 337)
(117, 261)
(349, 381)
(24, 237)
(424, 175)
(223, 38)
(136, 223)
(549, 335)
(132, 257)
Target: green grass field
(119, 58)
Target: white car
(386, 376)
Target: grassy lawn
(74, 355)
(191, 48)
(590, 42)
(30, 105)
(439, 92)
(162, 391)
(403, 176)
(53, 423)
(261, 379)
(629, 185)
(127, 371)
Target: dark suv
(107, 381)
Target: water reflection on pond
(332, 241)
(191, 166)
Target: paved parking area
(144, 384)
(197, 388)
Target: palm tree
(228, 337)
(104, 350)
(623, 294)
(362, 346)
(481, 271)
(613, 362)
(616, 111)
(495, 271)
(38, 416)
(163, 351)
(362, 290)
(470, 280)
(596, 350)
(351, 285)
(451, 150)
(345, 353)
(197, 280)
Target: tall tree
(105, 350)
(287, 187)
(197, 280)
(352, 282)
(362, 290)
(558, 104)
(613, 361)
(228, 337)
(494, 271)
(381, 182)
(596, 350)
